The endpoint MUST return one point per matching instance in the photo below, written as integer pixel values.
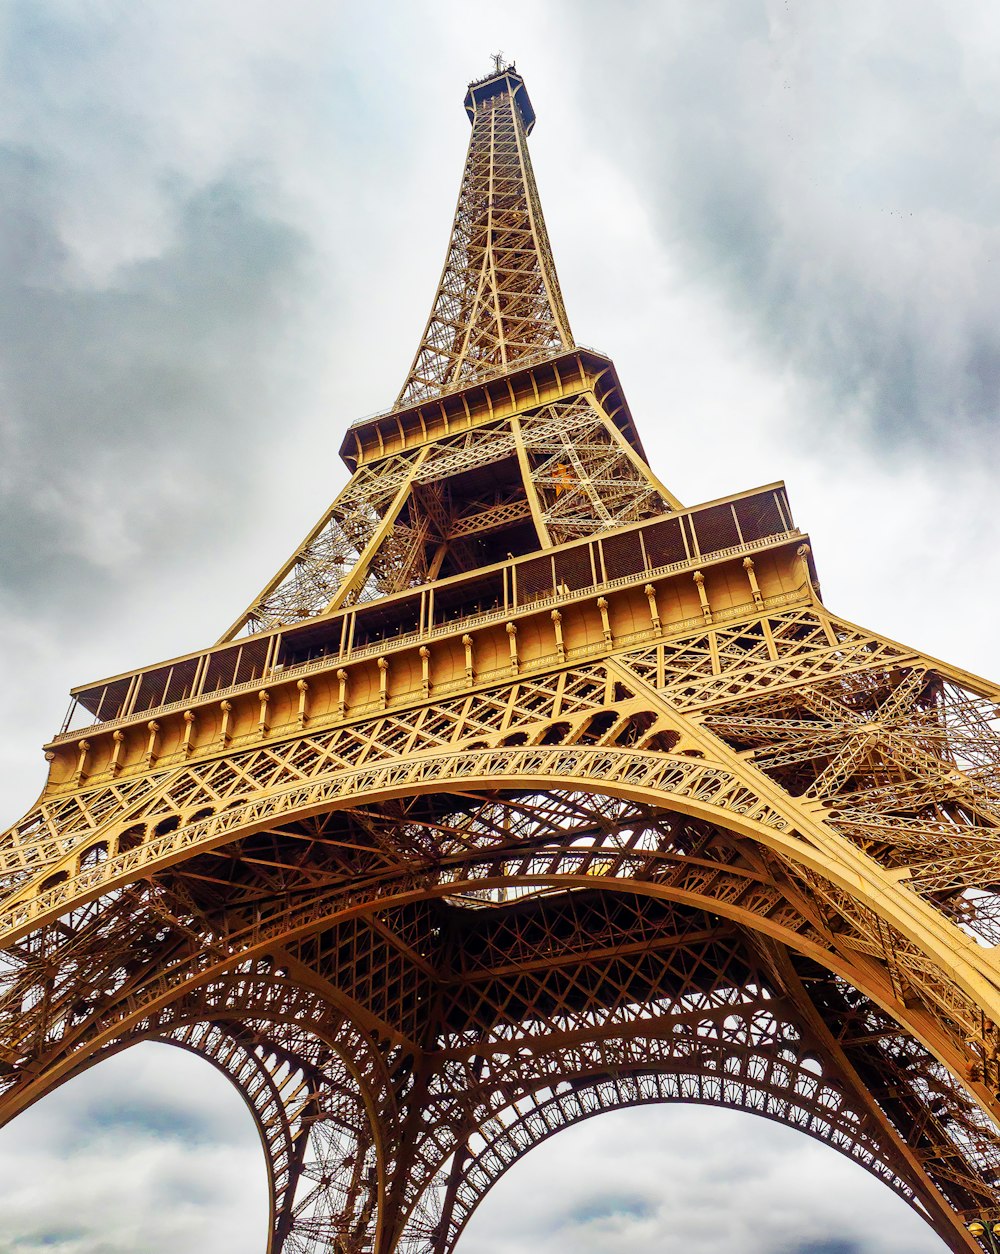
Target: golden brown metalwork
(498, 304)
(522, 793)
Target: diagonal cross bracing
(498, 303)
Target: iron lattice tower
(522, 793)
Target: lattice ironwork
(568, 799)
(498, 303)
(586, 480)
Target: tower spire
(505, 440)
(498, 303)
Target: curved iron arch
(640, 1089)
(579, 878)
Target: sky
(223, 228)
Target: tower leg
(314, 1127)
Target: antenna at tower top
(500, 63)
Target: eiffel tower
(521, 793)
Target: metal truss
(614, 860)
(561, 799)
(498, 303)
(498, 309)
(399, 522)
(584, 478)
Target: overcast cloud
(222, 227)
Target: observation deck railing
(649, 550)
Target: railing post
(557, 627)
(512, 641)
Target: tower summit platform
(505, 81)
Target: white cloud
(150, 1151)
(691, 1180)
